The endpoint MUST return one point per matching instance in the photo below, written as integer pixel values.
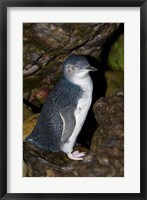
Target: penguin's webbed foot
(76, 155)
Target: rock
(50, 164)
(26, 112)
(114, 80)
(116, 55)
(106, 155)
(109, 114)
(38, 96)
(58, 39)
(47, 45)
(30, 170)
(31, 70)
(25, 169)
(29, 124)
(50, 173)
(104, 162)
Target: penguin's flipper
(69, 122)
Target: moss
(59, 52)
(115, 80)
(116, 55)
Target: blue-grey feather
(48, 130)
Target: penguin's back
(48, 130)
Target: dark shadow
(34, 108)
(108, 44)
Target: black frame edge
(143, 107)
(3, 101)
(72, 196)
(75, 3)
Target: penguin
(65, 110)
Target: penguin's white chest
(85, 101)
(82, 106)
(81, 111)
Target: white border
(128, 184)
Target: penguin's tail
(28, 139)
(38, 142)
(33, 141)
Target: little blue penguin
(65, 109)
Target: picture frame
(3, 96)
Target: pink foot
(76, 155)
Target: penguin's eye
(76, 66)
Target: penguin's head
(76, 66)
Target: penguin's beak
(90, 68)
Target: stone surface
(106, 156)
(47, 164)
(27, 112)
(25, 169)
(104, 162)
(29, 124)
(47, 45)
(109, 114)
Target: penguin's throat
(76, 77)
(84, 83)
